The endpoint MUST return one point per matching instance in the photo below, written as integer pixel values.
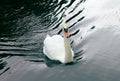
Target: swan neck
(68, 51)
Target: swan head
(64, 25)
(65, 29)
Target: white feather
(54, 48)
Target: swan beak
(66, 32)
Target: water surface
(94, 35)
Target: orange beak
(66, 33)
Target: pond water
(94, 35)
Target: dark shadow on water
(92, 27)
(51, 63)
(4, 70)
(78, 56)
(3, 65)
(74, 33)
(74, 16)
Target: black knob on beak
(66, 29)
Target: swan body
(57, 47)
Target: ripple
(29, 28)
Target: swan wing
(54, 47)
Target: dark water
(94, 35)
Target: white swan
(58, 47)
